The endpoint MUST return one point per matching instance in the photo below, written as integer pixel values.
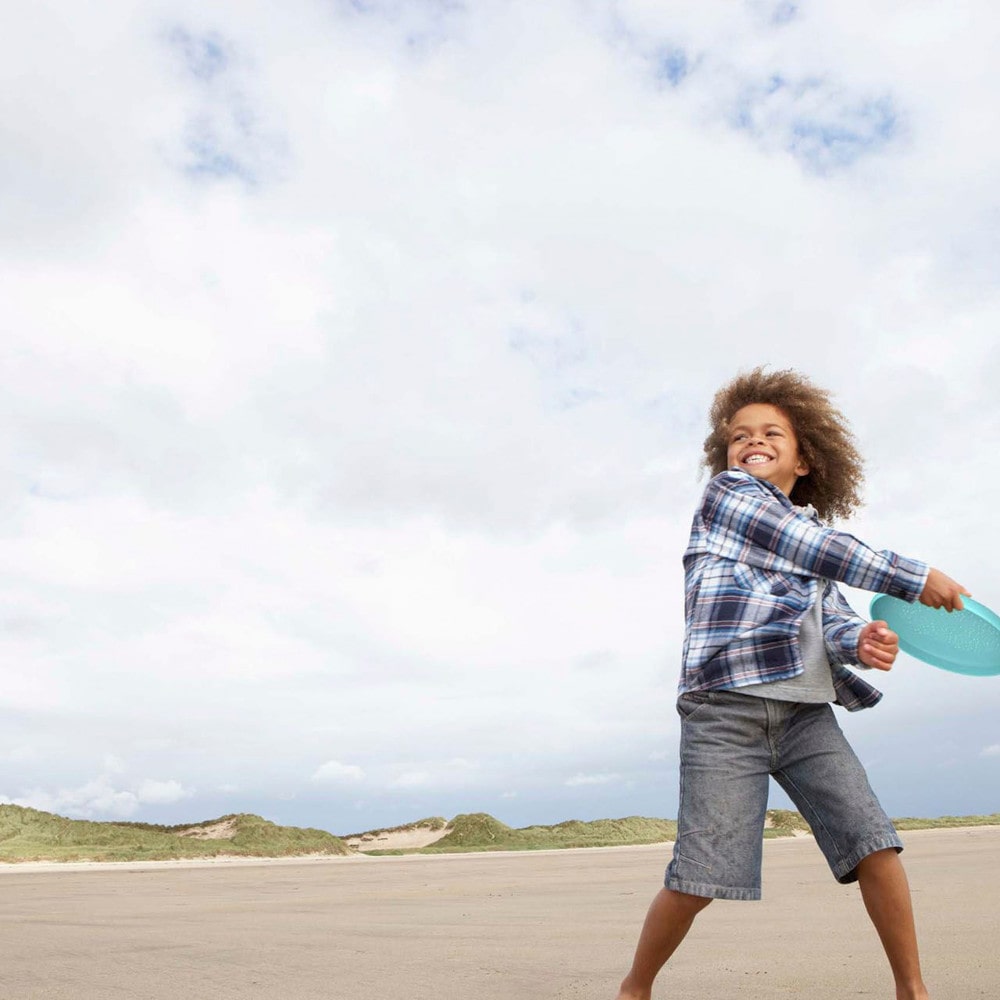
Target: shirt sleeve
(750, 521)
(842, 627)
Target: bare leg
(886, 893)
(669, 919)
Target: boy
(768, 638)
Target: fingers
(878, 646)
(941, 591)
(951, 599)
(879, 632)
(880, 659)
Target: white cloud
(411, 779)
(113, 764)
(161, 792)
(456, 772)
(100, 798)
(335, 771)
(993, 750)
(603, 778)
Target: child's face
(763, 443)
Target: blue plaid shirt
(751, 571)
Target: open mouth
(756, 459)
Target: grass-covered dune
(483, 832)
(32, 835)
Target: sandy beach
(556, 925)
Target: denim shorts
(730, 744)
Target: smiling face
(763, 443)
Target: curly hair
(826, 442)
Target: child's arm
(750, 521)
(850, 640)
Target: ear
(802, 469)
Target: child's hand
(878, 646)
(942, 591)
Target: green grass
(946, 822)
(784, 823)
(32, 835)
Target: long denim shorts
(730, 744)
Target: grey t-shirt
(815, 683)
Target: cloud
(161, 792)
(993, 750)
(456, 772)
(579, 780)
(411, 779)
(99, 798)
(763, 75)
(336, 772)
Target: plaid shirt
(751, 571)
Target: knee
(693, 905)
(887, 857)
(879, 865)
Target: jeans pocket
(691, 701)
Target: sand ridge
(400, 839)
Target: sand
(554, 925)
(401, 839)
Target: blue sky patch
(204, 56)
(814, 121)
(823, 143)
(209, 159)
(784, 12)
(226, 136)
(672, 65)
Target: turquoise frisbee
(964, 642)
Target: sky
(356, 362)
